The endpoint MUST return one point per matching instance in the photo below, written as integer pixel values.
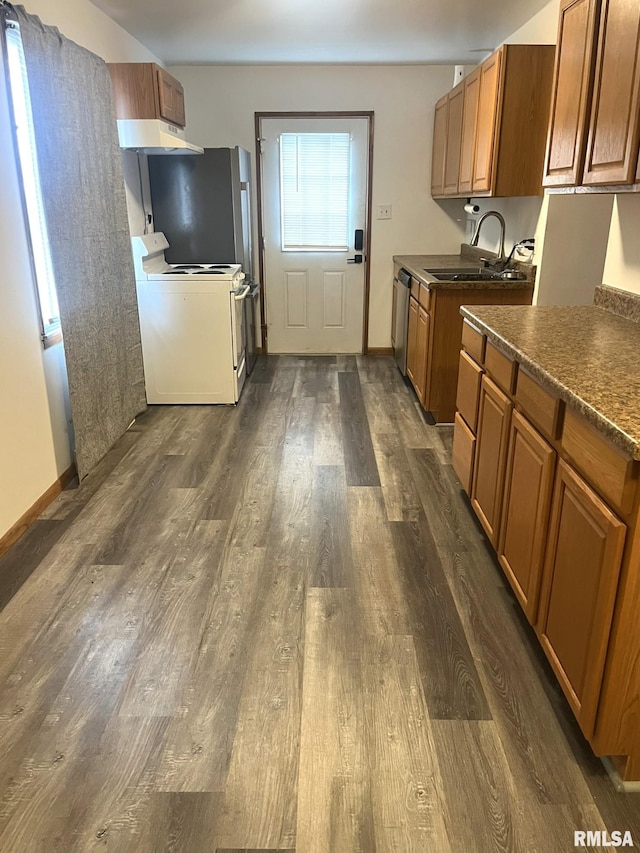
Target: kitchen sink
(474, 274)
(467, 276)
(449, 271)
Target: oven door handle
(241, 293)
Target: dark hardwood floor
(277, 627)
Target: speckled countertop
(586, 355)
(469, 258)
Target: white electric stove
(191, 325)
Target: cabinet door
(468, 391)
(422, 350)
(171, 98)
(412, 340)
(488, 108)
(571, 93)
(439, 146)
(454, 139)
(491, 454)
(579, 586)
(525, 512)
(612, 148)
(469, 118)
(463, 452)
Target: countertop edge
(617, 436)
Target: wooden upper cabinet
(571, 93)
(143, 90)
(171, 98)
(490, 91)
(612, 146)
(455, 108)
(496, 128)
(469, 119)
(579, 588)
(439, 146)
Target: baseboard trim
(22, 525)
(380, 351)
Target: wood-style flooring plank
(171, 636)
(178, 822)
(332, 561)
(259, 807)
(450, 680)
(405, 788)
(360, 460)
(334, 810)
(401, 497)
(327, 438)
(199, 739)
(377, 581)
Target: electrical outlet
(383, 211)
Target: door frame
(369, 115)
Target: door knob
(357, 259)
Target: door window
(314, 191)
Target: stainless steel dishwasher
(402, 291)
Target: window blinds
(314, 191)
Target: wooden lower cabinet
(418, 347)
(560, 504)
(525, 511)
(490, 458)
(579, 587)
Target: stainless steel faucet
(501, 259)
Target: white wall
(222, 100)
(622, 263)
(541, 29)
(34, 427)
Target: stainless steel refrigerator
(203, 206)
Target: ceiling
(312, 31)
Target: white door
(314, 175)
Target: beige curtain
(85, 208)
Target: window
(26, 145)
(314, 191)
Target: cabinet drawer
(541, 407)
(473, 341)
(502, 369)
(468, 395)
(415, 288)
(424, 297)
(464, 447)
(612, 473)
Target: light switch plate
(383, 211)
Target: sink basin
(449, 271)
(474, 274)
